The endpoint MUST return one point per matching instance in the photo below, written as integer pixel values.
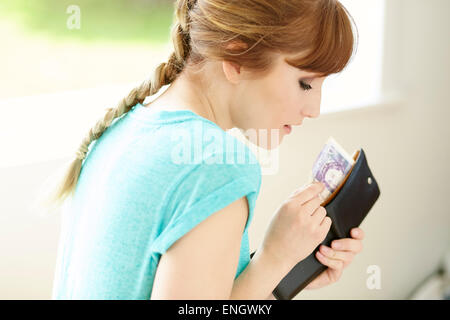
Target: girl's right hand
(298, 226)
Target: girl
(160, 204)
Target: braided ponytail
(52, 196)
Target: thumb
(306, 192)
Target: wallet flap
(354, 200)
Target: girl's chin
(270, 145)
(267, 139)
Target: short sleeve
(203, 190)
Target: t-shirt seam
(159, 123)
(242, 178)
(191, 116)
(182, 175)
(177, 224)
(188, 171)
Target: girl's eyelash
(305, 86)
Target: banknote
(331, 166)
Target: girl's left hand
(336, 258)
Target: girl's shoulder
(182, 136)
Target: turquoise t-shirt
(149, 179)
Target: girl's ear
(233, 70)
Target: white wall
(407, 231)
(406, 143)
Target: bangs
(334, 43)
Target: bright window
(360, 83)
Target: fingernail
(336, 245)
(326, 249)
(356, 232)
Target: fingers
(311, 206)
(326, 223)
(308, 193)
(357, 233)
(329, 262)
(321, 218)
(345, 256)
(319, 214)
(347, 244)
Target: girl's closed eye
(305, 86)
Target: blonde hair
(317, 32)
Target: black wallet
(347, 207)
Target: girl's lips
(287, 128)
